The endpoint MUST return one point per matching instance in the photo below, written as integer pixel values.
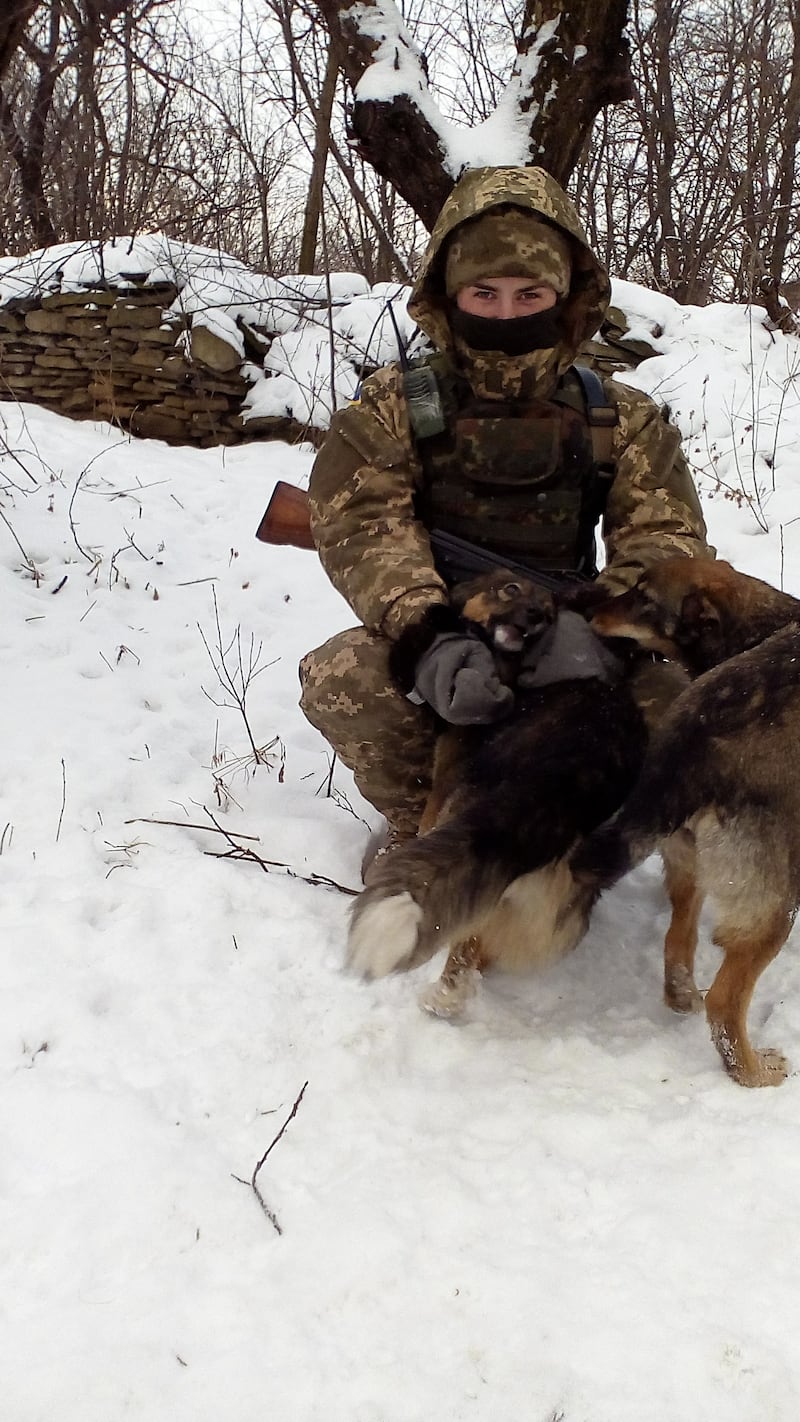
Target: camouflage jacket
(366, 476)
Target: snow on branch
(571, 60)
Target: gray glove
(568, 651)
(458, 678)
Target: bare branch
(254, 1177)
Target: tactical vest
(525, 481)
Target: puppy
(490, 878)
(508, 612)
(719, 791)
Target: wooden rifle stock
(287, 517)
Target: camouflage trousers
(348, 695)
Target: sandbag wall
(122, 356)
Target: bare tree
(112, 119)
(319, 159)
(693, 188)
(14, 20)
(51, 51)
(571, 60)
(25, 141)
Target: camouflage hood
(532, 189)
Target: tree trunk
(790, 135)
(582, 68)
(322, 134)
(27, 150)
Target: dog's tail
(422, 895)
(661, 801)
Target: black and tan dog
(490, 878)
(719, 792)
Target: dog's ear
(699, 612)
(700, 624)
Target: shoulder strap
(602, 417)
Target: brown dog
(490, 878)
(719, 791)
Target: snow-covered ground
(560, 1208)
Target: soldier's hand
(458, 679)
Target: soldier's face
(505, 297)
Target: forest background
(235, 127)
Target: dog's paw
(680, 991)
(383, 934)
(767, 1068)
(743, 1062)
(448, 999)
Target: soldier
(507, 293)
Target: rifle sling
(457, 559)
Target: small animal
(719, 791)
(488, 876)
